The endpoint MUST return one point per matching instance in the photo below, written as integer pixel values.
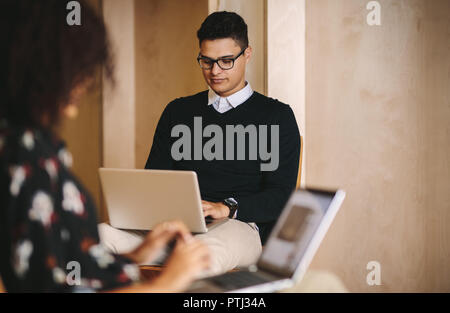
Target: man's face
(225, 82)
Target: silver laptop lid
(299, 231)
(140, 199)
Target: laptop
(140, 199)
(290, 248)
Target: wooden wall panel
(285, 56)
(253, 12)
(166, 67)
(119, 102)
(377, 119)
(83, 135)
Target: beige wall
(119, 102)
(166, 66)
(83, 135)
(83, 138)
(285, 57)
(277, 35)
(377, 119)
(155, 48)
(253, 12)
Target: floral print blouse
(48, 228)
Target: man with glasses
(238, 189)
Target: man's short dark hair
(219, 25)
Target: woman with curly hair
(47, 218)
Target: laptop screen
(294, 231)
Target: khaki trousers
(231, 244)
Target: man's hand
(157, 239)
(215, 209)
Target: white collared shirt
(225, 104)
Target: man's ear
(248, 54)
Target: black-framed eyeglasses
(226, 63)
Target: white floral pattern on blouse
(42, 208)
(42, 237)
(28, 140)
(52, 169)
(22, 254)
(59, 276)
(132, 271)
(65, 157)
(72, 199)
(101, 255)
(18, 175)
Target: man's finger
(206, 206)
(208, 212)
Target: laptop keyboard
(238, 280)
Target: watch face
(231, 201)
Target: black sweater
(261, 194)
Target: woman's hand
(189, 257)
(187, 260)
(157, 239)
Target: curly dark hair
(43, 58)
(224, 24)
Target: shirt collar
(235, 99)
